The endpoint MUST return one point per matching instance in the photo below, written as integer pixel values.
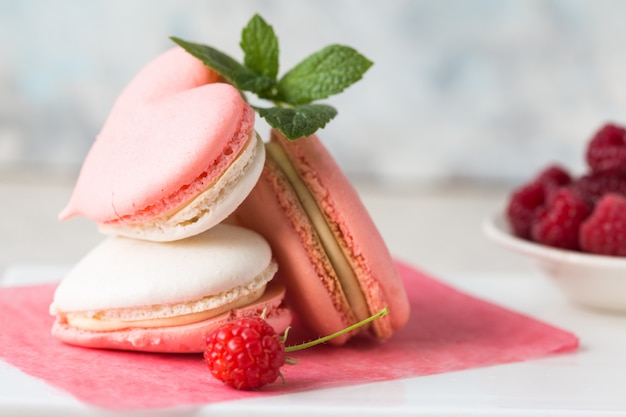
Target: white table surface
(437, 230)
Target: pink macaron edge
(175, 128)
(272, 209)
(189, 338)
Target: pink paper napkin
(448, 331)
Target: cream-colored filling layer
(244, 162)
(102, 324)
(209, 207)
(336, 256)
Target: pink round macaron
(332, 259)
(177, 154)
(133, 294)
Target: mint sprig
(325, 73)
(260, 47)
(320, 75)
(298, 121)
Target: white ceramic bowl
(589, 280)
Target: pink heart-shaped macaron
(176, 155)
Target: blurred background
(479, 92)
(483, 90)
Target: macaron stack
(177, 154)
(209, 223)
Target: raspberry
(554, 176)
(528, 199)
(557, 224)
(595, 185)
(523, 206)
(607, 149)
(604, 232)
(245, 354)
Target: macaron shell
(204, 210)
(335, 194)
(122, 273)
(309, 277)
(311, 290)
(170, 134)
(188, 338)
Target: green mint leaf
(235, 73)
(254, 83)
(228, 67)
(326, 72)
(260, 46)
(299, 121)
(320, 75)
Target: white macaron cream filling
(336, 256)
(126, 283)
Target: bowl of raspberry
(574, 227)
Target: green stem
(339, 333)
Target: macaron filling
(101, 324)
(336, 256)
(166, 316)
(211, 205)
(173, 203)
